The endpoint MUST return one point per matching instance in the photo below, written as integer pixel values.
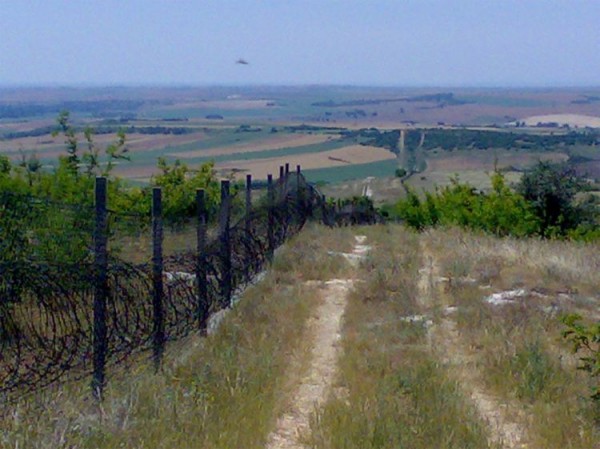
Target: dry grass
(397, 385)
(516, 347)
(224, 391)
(392, 392)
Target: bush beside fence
(76, 316)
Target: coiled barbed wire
(46, 307)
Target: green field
(334, 175)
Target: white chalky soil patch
(324, 329)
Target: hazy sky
(363, 42)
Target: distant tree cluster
(452, 139)
(102, 129)
(23, 110)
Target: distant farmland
(256, 129)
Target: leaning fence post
(201, 280)
(270, 218)
(100, 343)
(224, 236)
(157, 277)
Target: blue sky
(369, 42)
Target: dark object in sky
(242, 61)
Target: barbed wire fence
(72, 306)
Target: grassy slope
(395, 386)
(516, 349)
(220, 392)
(392, 391)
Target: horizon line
(60, 85)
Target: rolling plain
(257, 129)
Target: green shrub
(585, 340)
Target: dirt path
(505, 430)
(324, 328)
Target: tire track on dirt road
(324, 329)
(444, 338)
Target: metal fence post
(248, 204)
(287, 177)
(280, 183)
(202, 308)
(100, 343)
(299, 196)
(157, 278)
(224, 237)
(270, 218)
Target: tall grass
(392, 392)
(224, 391)
(517, 347)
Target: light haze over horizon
(478, 43)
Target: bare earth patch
(353, 154)
(324, 328)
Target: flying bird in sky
(242, 61)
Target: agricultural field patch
(458, 161)
(342, 157)
(271, 143)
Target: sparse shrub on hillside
(551, 189)
(544, 204)
(400, 173)
(585, 340)
(501, 212)
(179, 183)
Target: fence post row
(100, 343)
(101, 290)
(157, 277)
(224, 236)
(202, 307)
(270, 218)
